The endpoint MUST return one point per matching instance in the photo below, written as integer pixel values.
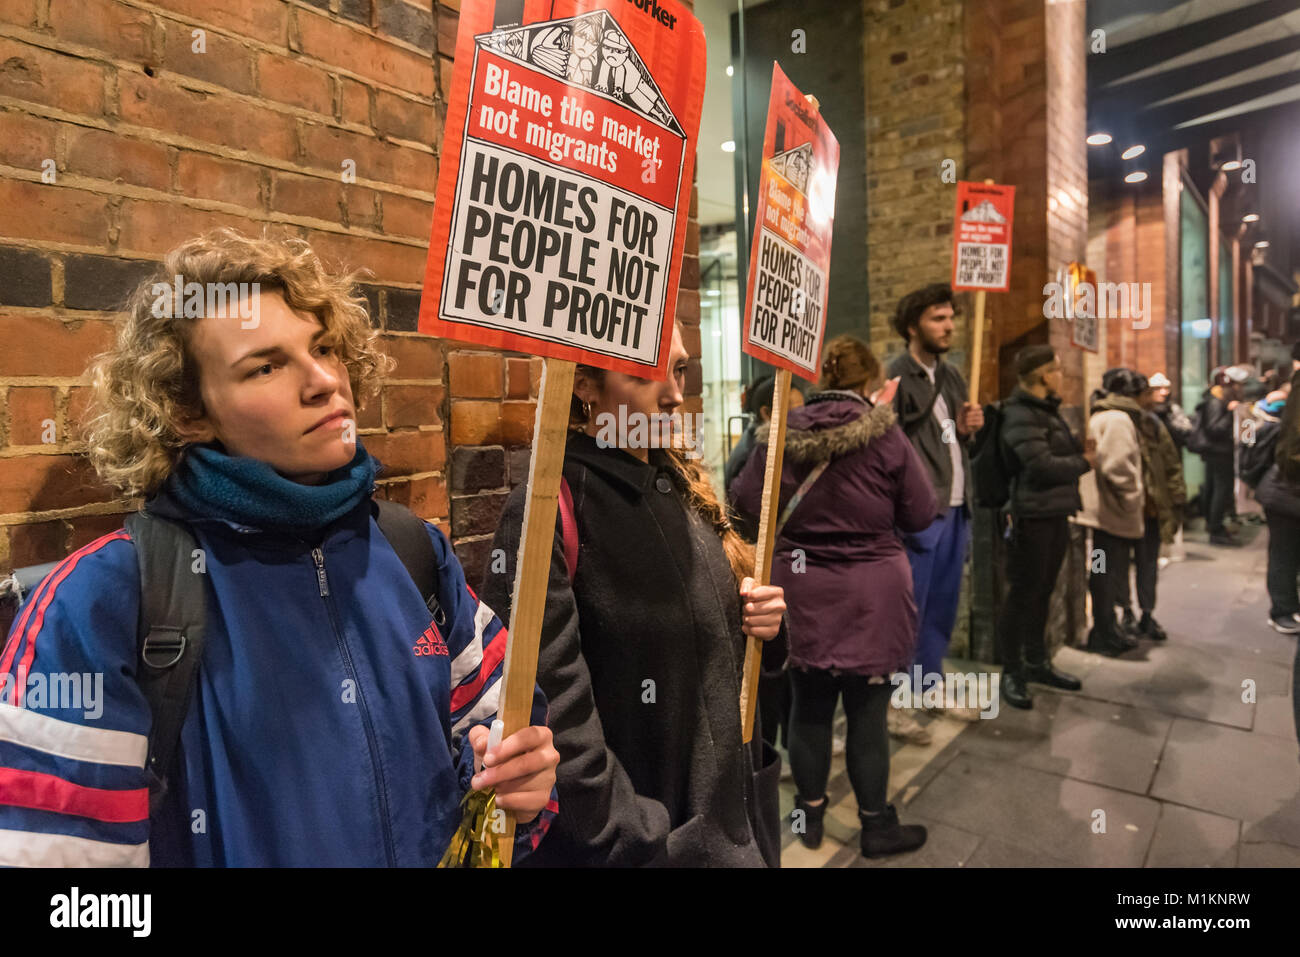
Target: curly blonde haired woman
(332, 722)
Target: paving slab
(1254, 778)
(995, 853)
(1186, 837)
(1275, 715)
(1110, 744)
(1269, 855)
(1188, 682)
(1046, 813)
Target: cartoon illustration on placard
(796, 166)
(590, 51)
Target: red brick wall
(152, 142)
(1136, 252)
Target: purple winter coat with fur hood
(850, 596)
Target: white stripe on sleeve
(32, 849)
(63, 739)
(471, 656)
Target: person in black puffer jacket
(1212, 439)
(1046, 461)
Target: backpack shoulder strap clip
(173, 614)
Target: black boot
(1150, 628)
(1128, 625)
(812, 822)
(1014, 691)
(882, 835)
(1044, 674)
(1106, 641)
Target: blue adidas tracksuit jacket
(327, 726)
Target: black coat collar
(614, 464)
(1051, 404)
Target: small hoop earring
(586, 410)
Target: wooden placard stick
(533, 566)
(766, 543)
(977, 347)
(977, 343)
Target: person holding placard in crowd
(649, 602)
(342, 695)
(850, 478)
(934, 410)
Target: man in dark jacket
(1046, 461)
(1212, 440)
(934, 411)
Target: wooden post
(977, 344)
(766, 542)
(977, 348)
(533, 566)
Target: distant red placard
(981, 237)
(564, 188)
(790, 258)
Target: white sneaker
(903, 726)
(1286, 626)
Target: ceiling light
(729, 146)
(1133, 151)
(731, 70)
(1098, 139)
(1138, 176)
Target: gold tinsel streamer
(475, 843)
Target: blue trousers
(937, 556)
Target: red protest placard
(790, 259)
(565, 182)
(981, 237)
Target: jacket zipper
(323, 584)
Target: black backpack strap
(407, 534)
(173, 614)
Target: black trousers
(774, 707)
(1216, 492)
(1146, 568)
(866, 748)
(1107, 567)
(1034, 558)
(1283, 566)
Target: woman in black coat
(642, 652)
